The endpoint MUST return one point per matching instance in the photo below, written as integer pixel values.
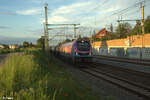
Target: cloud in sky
(5, 27)
(58, 19)
(65, 14)
(33, 11)
(74, 8)
(111, 9)
(86, 11)
(7, 13)
(38, 1)
(94, 13)
(80, 12)
(35, 32)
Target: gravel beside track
(143, 94)
(123, 59)
(142, 68)
(103, 87)
(137, 77)
(114, 77)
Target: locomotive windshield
(83, 45)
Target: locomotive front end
(82, 51)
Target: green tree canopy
(5, 46)
(147, 25)
(40, 42)
(123, 29)
(137, 29)
(25, 44)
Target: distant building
(12, 46)
(1, 46)
(101, 33)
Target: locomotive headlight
(76, 53)
(90, 53)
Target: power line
(132, 14)
(99, 5)
(120, 12)
(131, 11)
(129, 8)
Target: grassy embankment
(5, 51)
(37, 76)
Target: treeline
(124, 30)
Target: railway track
(127, 60)
(130, 74)
(123, 78)
(135, 82)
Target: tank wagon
(79, 50)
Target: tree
(111, 28)
(25, 44)
(137, 29)
(147, 25)
(123, 29)
(40, 42)
(31, 45)
(5, 46)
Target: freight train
(79, 50)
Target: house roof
(1, 46)
(101, 30)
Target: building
(13, 46)
(101, 33)
(1, 46)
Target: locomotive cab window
(83, 45)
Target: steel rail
(139, 90)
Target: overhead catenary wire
(120, 13)
(90, 10)
(127, 11)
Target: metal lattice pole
(46, 28)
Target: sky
(24, 18)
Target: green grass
(35, 75)
(5, 51)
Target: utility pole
(91, 36)
(75, 35)
(143, 30)
(46, 28)
(119, 27)
(44, 36)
